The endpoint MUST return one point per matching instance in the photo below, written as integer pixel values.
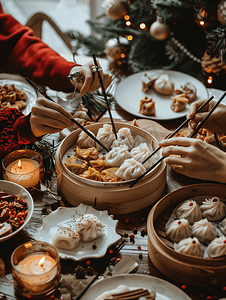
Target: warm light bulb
(19, 164)
(122, 55)
(143, 26)
(202, 23)
(128, 23)
(119, 63)
(129, 37)
(126, 17)
(210, 79)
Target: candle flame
(19, 164)
(41, 262)
(210, 79)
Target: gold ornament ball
(116, 9)
(159, 30)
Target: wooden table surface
(128, 224)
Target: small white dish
(20, 83)
(129, 92)
(164, 289)
(12, 188)
(84, 250)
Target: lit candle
(35, 270)
(24, 171)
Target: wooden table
(128, 224)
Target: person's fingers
(176, 141)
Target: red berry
(224, 288)
(139, 247)
(183, 287)
(191, 203)
(88, 262)
(110, 251)
(127, 221)
(209, 298)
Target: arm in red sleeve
(21, 52)
(15, 131)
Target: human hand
(91, 81)
(215, 123)
(48, 117)
(195, 158)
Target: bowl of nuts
(16, 208)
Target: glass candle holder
(36, 270)
(69, 101)
(24, 167)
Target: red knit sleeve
(22, 53)
(15, 130)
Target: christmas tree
(183, 35)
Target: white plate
(129, 93)
(12, 188)
(84, 250)
(164, 290)
(19, 83)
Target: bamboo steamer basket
(181, 267)
(116, 198)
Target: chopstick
(73, 120)
(119, 247)
(104, 93)
(178, 128)
(190, 136)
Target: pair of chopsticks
(176, 131)
(118, 248)
(73, 120)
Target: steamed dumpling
(89, 227)
(204, 230)
(105, 135)
(117, 156)
(164, 85)
(189, 210)
(217, 247)
(178, 230)
(85, 141)
(222, 226)
(130, 169)
(65, 238)
(213, 209)
(140, 153)
(190, 246)
(124, 137)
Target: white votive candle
(24, 171)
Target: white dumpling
(130, 169)
(217, 247)
(117, 156)
(189, 210)
(190, 246)
(222, 226)
(85, 141)
(66, 238)
(106, 136)
(213, 209)
(89, 227)
(204, 230)
(140, 153)
(164, 85)
(124, 137)
(178, 230)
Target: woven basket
(116, 198)
(181, 267)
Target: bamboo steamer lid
(119, 198)
(181, 267)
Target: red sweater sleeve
(22, 53)
(15, 130)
